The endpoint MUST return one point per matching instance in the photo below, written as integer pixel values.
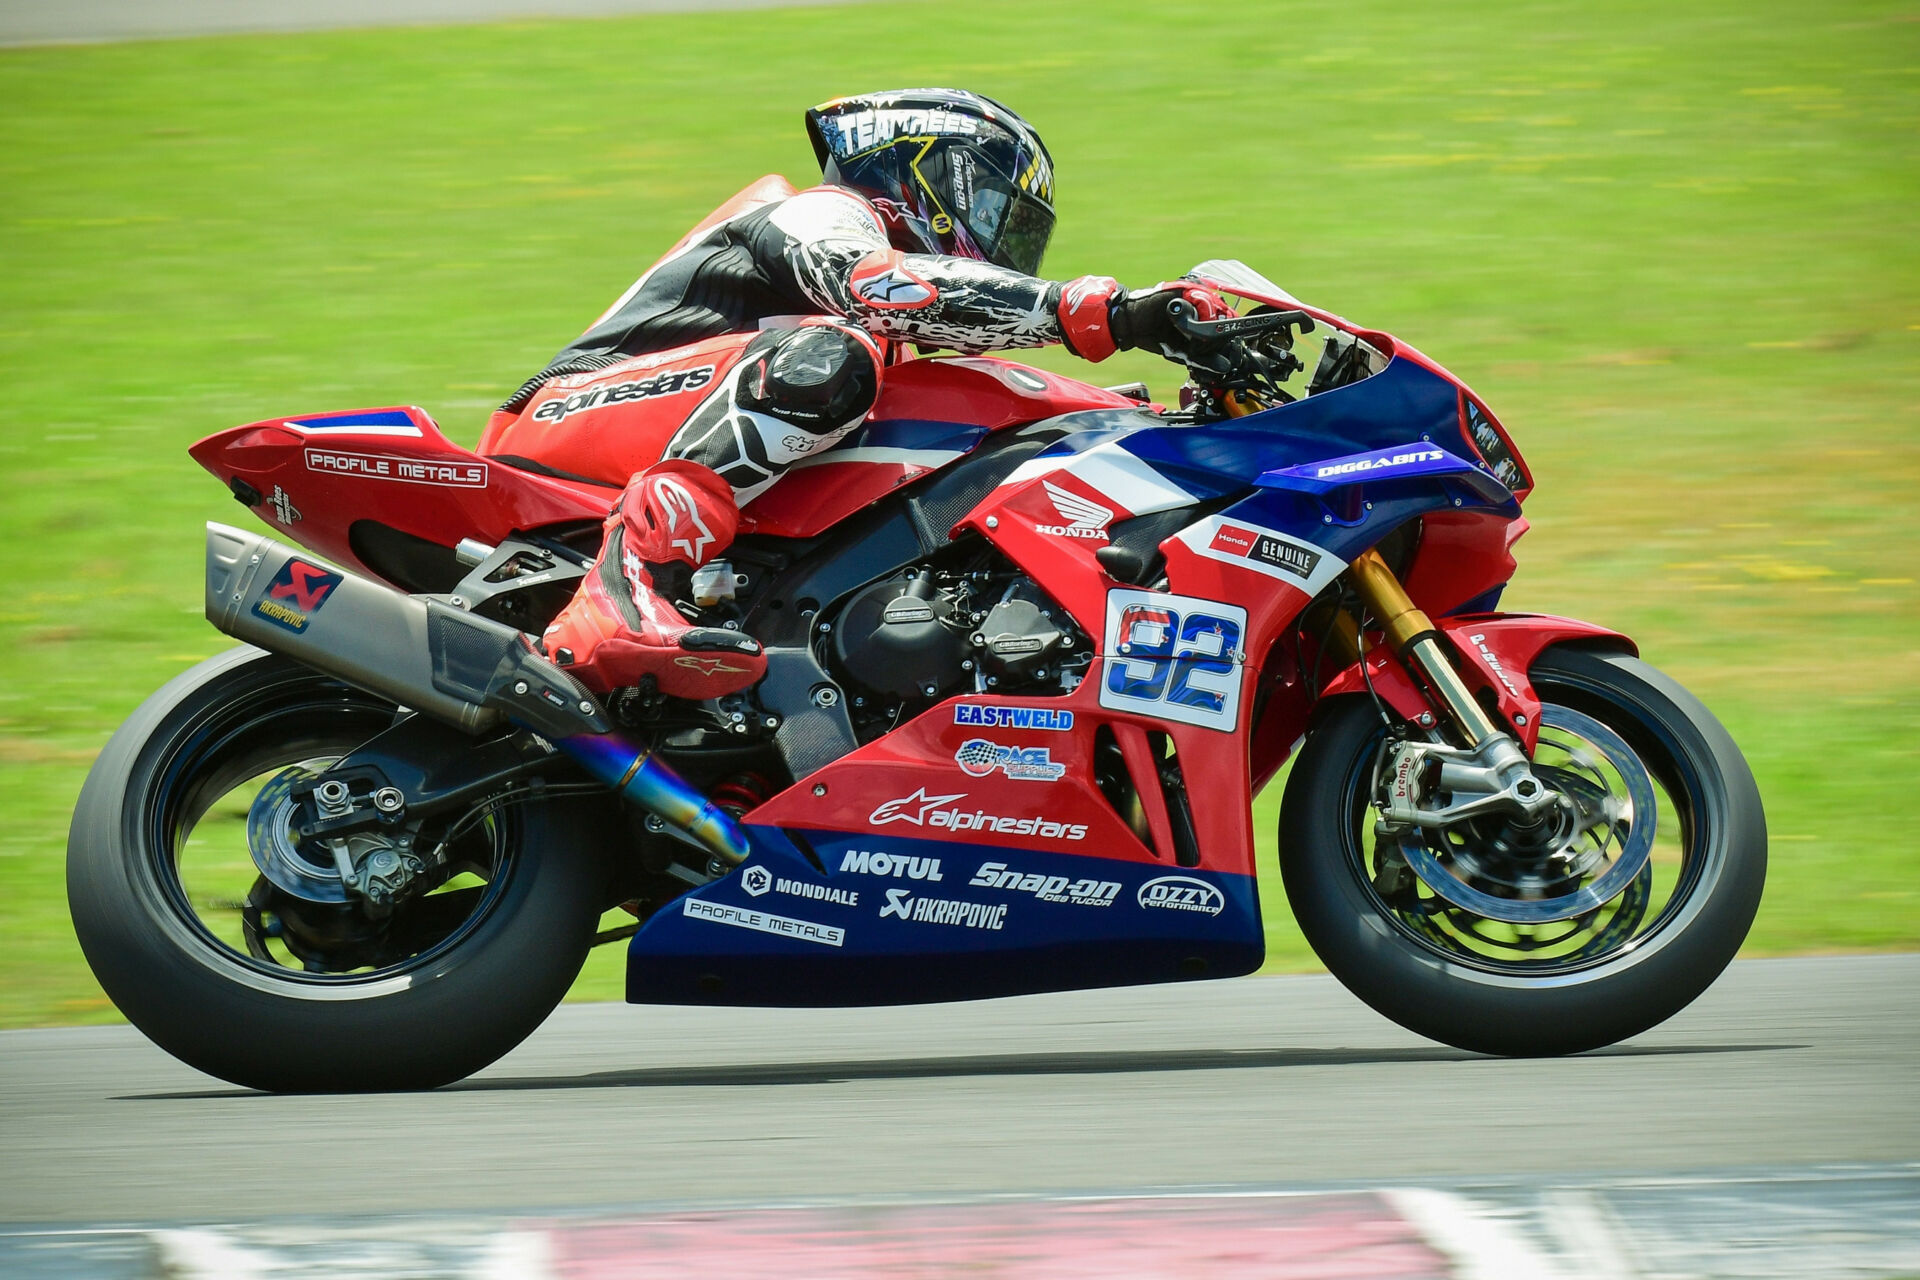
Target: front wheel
(1639, 756)
(265, 989)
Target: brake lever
(1218, 348)
(1186, 318)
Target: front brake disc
(1636, 815)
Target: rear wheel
(245, 981)
(1665, 839)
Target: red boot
(616, 631)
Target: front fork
(1492, 773)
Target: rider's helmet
(950, 171)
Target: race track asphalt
(1783, 1064)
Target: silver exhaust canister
(467, 671)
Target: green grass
(1672, 245)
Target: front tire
(466, 980)
(1477, 985)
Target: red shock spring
(740, 793)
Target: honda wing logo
(1082, 517)
(920, 802)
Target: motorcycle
(1033, 647)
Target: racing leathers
(818, 273)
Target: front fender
(1494, 651)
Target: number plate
(1174, 657)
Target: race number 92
(1174, 658)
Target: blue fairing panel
(350, 421)
(1401, 404)
(883, 920)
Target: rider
(935, 210)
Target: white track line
(517, 1255)
(201, 1254)
(1589, 1234)
(1480, 1240)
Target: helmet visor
(1024, 236)
(1010, 226)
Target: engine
(927, 633)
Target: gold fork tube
(1411, 636)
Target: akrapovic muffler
(468, 671)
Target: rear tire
(422, 1021)
(1430, 981)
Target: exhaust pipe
(466, 671)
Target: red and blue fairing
(990, 845)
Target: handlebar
(1239, 353)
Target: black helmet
(961, 173)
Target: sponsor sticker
(1181, 893)
(966, 915)
(283, 509)
(979, 758)
(1084, 893)
(1493, 661)
(660, 384)
(1294, 561)
(296, 594)
(757, 881)
(923, 810)
(763, 922)
(1295, 558)
(1377, 462)
(379, 466)
(818, 892)
(989, 717)
(897, 865)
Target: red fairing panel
(1497, 652)
(318, 475)
(911, 783)
(930, 412)
(1462, 555)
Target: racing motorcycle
(1033, 647)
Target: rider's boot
(617, 631)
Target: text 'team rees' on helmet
(963, 174)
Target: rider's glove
(1098, 317)
(1140, 319)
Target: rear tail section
(383, 492)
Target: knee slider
(817, 377)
